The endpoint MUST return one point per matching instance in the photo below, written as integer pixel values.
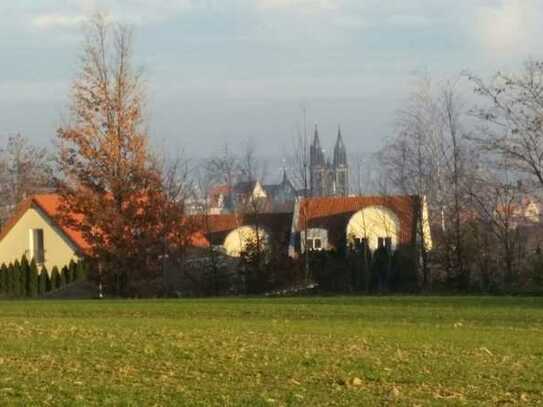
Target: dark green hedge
(24, 279)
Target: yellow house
(35, 231)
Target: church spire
(316, 153)
(316, 140)
(340, 153)
(285, 177)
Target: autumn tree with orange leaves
(111, 185)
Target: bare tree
(428, 155)
(365, 173)
(497, 202)
(451, 112)
(298, 161)
(252, 167)
(511, 119)
(223, 168)
(24, 170)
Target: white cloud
(49, 21)
(53, 14)
(289, 4)
(408, 20)
(511, 26)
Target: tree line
(475, 163)
(478, 164)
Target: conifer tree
(3, 275)
(42, 281)
(65, 276)
(32, 282)
(76, 271)
(72, 268)
(10, 286)
(17, 273)
(25, 277)
(46, 280)
(56, 280)
(81, 270)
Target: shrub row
(25, 279)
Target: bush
(404, 276)
(536, 269)
(80, 270)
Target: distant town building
(331, 223)
(240, 197)
(328, 178)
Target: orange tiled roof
(49, 205)
(217, 223)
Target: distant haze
(224, 71)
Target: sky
(225, 71)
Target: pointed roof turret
(316, 140)
(340, 153)
(339, 141)
(316, 153)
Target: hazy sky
(227, 70)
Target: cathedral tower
(317, 166)
(328, 177)
(341, 169)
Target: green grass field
(273, 352)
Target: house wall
(237, 240)
(58, 249)
(372, 223)
(428, 243)
(315, 233)
(259, 192)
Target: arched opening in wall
(373, 227)
(237, 241)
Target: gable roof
(48, 205)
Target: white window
(317, 244)
(317, 239)
(36, 245)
